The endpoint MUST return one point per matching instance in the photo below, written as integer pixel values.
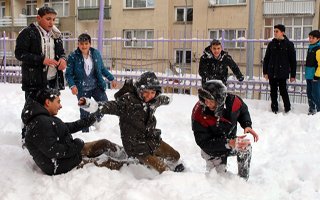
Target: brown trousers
(91, 150)
(156, 160)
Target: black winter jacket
(212, 135)
(280, 59)
(49, 139)
(211, 68)
(29, 51)
(136, 119)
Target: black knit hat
(149, 81)
(215, 90)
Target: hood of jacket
(311, 46)
(31, 110)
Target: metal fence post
(4, 57)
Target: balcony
(7, 21)
(272, 8)
(92, 13)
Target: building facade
(169, 36)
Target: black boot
(274, 108)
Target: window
(60, 6)
(229, 2)
(184, 14)
(31, 6)
(2, 8)
(183, 56)
(296, 27)
(229, 34)
(138, 38)
(91, 3)
(139, 3)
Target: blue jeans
(313, 93)
(97, 94)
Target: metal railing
(174, 75)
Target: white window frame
(238, 32)
(229, 2)
(148, 4)
(92, 3)
(185, 13)
(290, 27)
(31, 4)
(2, 8)
(135, 42)
(184, 56)
(65, 7)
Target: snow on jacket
(212, 135)
(211, 68)
(49, 140)
(280, 59)
(75, 72)
(28, 50)
(136, 119)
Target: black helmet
(215, 90)
(148, 81)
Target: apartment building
(162, 34)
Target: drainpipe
(100, 28)
(4, 56)
(184, 54)
(250, 45)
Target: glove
(79, 144)
(88, 104)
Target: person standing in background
(279, 62)
(39, 47)
(85, 73)
(312, 72)
(214, 64)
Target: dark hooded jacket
(212, 133)
(211, 68)
(28, 50)
(49, 139)
(136, 118)
(280, 59)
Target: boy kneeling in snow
(135, 105)
(214, 123)
(49, 141)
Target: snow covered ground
(285, 162)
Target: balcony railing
(289, 7)
(92, 13)
(7, 22)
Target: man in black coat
(39, 47)
(49, 141)
(135, 105)
(278, 63)
(214, 124)
(214, 64)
